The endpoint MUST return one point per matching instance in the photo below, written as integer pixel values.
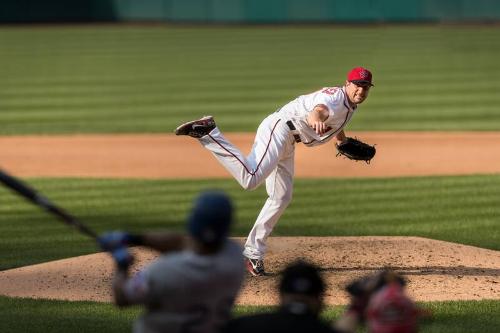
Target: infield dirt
(435, 270)
(167, 156)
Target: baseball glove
(368, 284)
(356, 150)
(362, 289)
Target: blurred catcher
(379, 301)
(192, 286)
(312, 120)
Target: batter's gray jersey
(339, 113)
(188, 292)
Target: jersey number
(329, 91)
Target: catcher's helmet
(391, 311)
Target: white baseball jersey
(188, 292)
(272, 155)
(340, 112)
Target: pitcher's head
(358, 84)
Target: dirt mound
(435, 270)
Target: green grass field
(131, 79)
(26, 315)
(457, 209)
(148, 79)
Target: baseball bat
(33, 196)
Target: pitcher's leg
(229, 156)
(251, 171)
(279, 186)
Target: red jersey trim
(236, 157)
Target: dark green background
(249, 11)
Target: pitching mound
(436, 270)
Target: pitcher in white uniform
(311, 119)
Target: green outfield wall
(249, 11)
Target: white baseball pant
(271, 159)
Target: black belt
(291, 126)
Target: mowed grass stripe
(29, 315)
(148, 79)
(457, 209)
(102, 93)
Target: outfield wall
(249, 11)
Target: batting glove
(123, 258)
(115, 239)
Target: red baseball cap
(360, 75)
